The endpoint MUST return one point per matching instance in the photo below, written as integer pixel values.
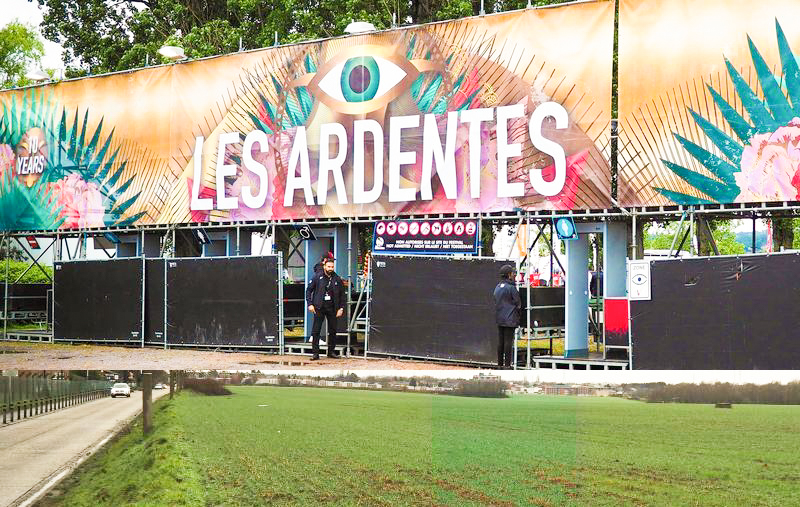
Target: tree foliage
(20, 46)
(722, 230)
(100, 36)
(774, 393)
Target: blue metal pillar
(576, 342)
(615, 253)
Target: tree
(722, 230)
(783, 233)
(20, 46)
(100, 36)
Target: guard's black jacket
(507, 304)
(315, 292)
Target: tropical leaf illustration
(778, 107)
(26, 208)
(71, 149)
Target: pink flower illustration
(81, 203)
(7, 159)
(771, 166)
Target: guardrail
(23, 397)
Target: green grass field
(306, 446)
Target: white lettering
(360, 128)
(557, 111)
(257, 168)
(331, 165)
(293, 181)
(198, 204)
(445, 161)
(474, 117)
(399, 158)
(223, 169)
(506, 151)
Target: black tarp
(98, 300)
(223, 301)
(543, 296)
(154, 301)
(432, 307)
(26, 297)
(720, 313)
(294, 306)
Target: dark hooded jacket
(507, 304)
(315, 292)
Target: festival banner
(492, 113)
(709, 102)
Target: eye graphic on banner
(361, 79)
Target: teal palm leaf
(73, 148)
(776, 109)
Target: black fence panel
(154, 300)
(548, 302)
(436, 308)
(294, 306)
(26, 297)
(223, 301)
(98, 300)
(720, 313)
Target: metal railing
(23, 397)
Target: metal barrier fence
(22, 397)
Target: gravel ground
(42, 356)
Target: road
(34, 450)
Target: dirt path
(41, 356)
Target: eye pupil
(359, 79)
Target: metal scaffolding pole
(6, 244)
(349, 280)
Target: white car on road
(121, 389)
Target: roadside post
(147, 402)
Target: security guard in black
(326, 298)
(507, 305)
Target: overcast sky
(28, 12)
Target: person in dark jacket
(507, 306)
(326, 298)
